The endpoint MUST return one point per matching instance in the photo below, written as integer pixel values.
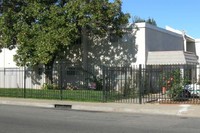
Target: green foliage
(71, 87)
(169, 77)
(46, 86)
(43, 30)
(175, 83)
(97, 81)
(130, 88)
(151, 21)
(175, 91)
(137, 19)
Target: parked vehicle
(194, 89)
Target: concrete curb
(126, 110)
(156, 109)
(27, 104)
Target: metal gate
(121, 84)
(152, 84)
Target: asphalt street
(23, 119)
(186, 110)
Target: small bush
(71, 87)
(176, 86)
(97, 81)
(46, 86)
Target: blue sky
(178, 14)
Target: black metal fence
(138, 84)
(69, 83)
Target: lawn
(75, 95)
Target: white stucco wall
(112, 51)
(197, 45)
(12, 76)
(147, 38)
(163, 40)
(120, 52)
(6, 58)
(126, 51)
(152, 38)
(140, 44)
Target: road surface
(20, 119)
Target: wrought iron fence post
(61, 86)
(24, 90)
(140, 84)
(4, 80)
(125, 85)
(104, 86)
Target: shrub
(97, 81)
(46, 86)
(70, 86)
(176, 86)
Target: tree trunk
(49, 73)
(84, 48)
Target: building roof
(156, 28)
(171, 58)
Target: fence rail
(138, 84)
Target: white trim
(197, 40)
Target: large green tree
(43, 29)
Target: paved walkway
(183, 110)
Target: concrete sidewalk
(183, 110)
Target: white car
(194, 89)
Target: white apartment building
(142, 44)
